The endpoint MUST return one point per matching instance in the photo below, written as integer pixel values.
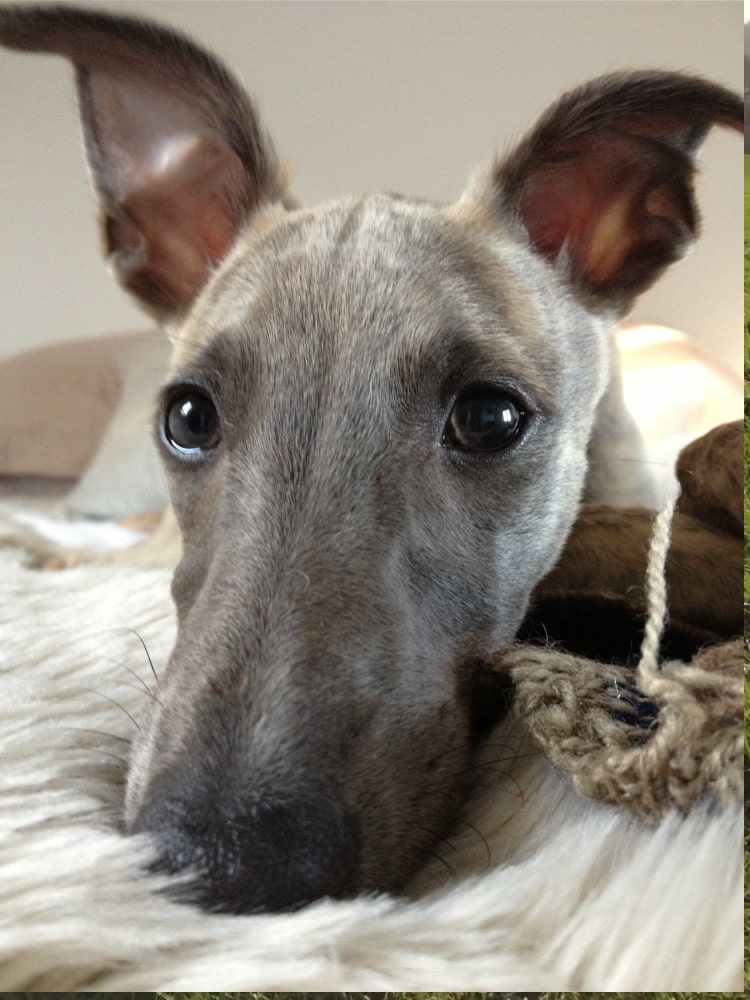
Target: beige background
(395, 96)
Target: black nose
(265, 857)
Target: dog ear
(603, 183)
(177, 156)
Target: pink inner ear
(591, 224)
(173, 187)
(176, 222)
(604, 202)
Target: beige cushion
(125, 476)
(85, 407)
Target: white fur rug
(547, 890)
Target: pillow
(55, 403)
(83, 409)
(125, 476)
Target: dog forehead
(377, 276)
(344, 254)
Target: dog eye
(483, 419)
(192, 424)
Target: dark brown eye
(192, 425)
(483, 419)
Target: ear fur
(604, 181)
(178, 158)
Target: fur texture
(537, 888)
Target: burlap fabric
(647, 732)
(646, 740)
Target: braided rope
(586, 714)
(656, 588)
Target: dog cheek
(187, 580)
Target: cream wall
(395, 96)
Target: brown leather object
(710, 471)
(595, 595)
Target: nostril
(269, 856)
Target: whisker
(511, 757)
(122, 761)
(481, 836)
(134, 673)
(96, 732)
(449, 868)
(139, 637)
(115, 703)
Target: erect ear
(603, 183)
(178, 158)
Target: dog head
(376, 430)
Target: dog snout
(266, 856)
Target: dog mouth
(490, 698)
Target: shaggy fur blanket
(536, 887)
